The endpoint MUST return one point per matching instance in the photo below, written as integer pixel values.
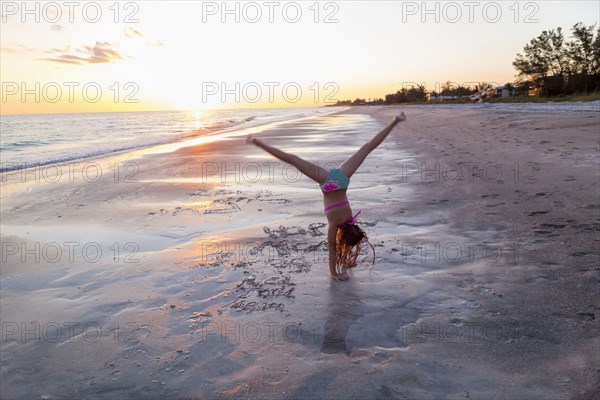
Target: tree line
(557, 66)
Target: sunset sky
(180, 55)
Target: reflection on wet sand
(345, 308)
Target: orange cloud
(100, 53)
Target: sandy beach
(199, 269)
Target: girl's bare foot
(340, 276)
(400, 117)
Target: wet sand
(200, 271)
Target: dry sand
(212, 279)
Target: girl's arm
(309, 169)
(331, 250)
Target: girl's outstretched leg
(350, 166)
(313, 171)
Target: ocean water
(33, 140)
(42, 139)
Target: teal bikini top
(336, 180)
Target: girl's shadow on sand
(379, 315)
(345, 308)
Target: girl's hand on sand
(250, 139)
(340, 277)
(400, 117)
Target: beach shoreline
(485, 224)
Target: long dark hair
(349, 240)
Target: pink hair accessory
(353, 220)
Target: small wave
(24, 144)
(13, 166)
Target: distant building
(501, 91)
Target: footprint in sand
(436, 202)
(587, 227)
(534, 213)
(555, 226)
(586, 316)
(579, 253)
